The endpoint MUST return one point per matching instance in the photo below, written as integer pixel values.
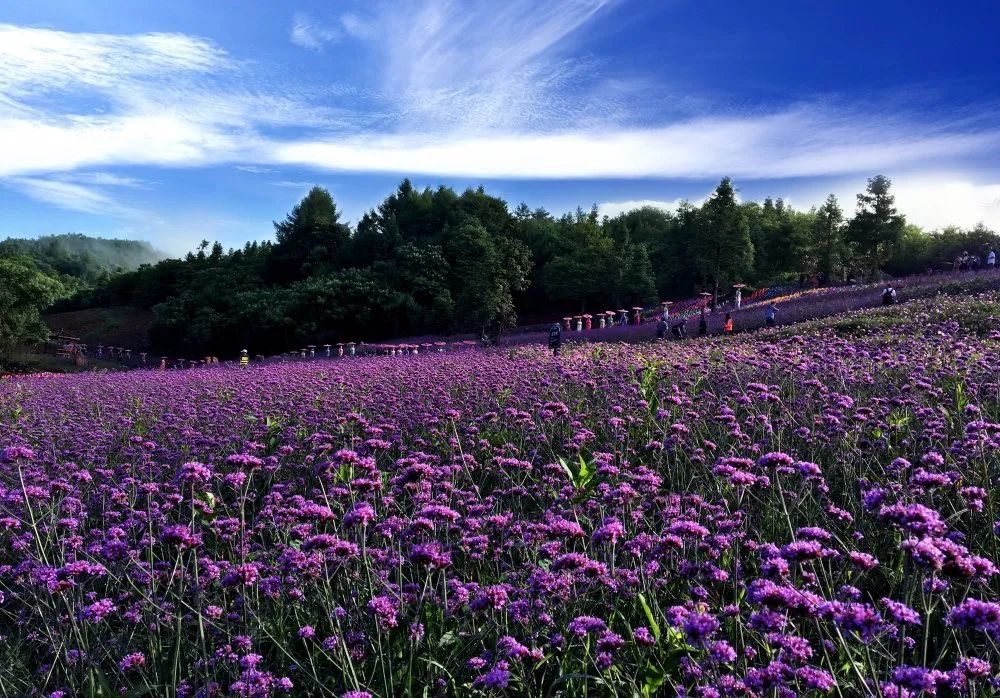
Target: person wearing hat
(244, 358)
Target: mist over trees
(435, 260)
(79, 260)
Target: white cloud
(308, 33)
(294, 185)
(74, 197)
(254, 169)
(461, 65)
(614, 208)
(34, 62)
(936, 201)
(103, 179)
(469, 90)
(786, 144)
(931, 201)
(356, 26)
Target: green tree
(579, 274)
(634, 276)
(877, 226)
(24, 293)
(828, 238)
(310, 239)
(422, 271)
(489, 271)
(722, 248)
(657, 230)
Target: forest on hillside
(80, 261)
(36, 272)
(435, 260)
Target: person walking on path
(555, 338)
(769, 314)
(991, 259)
(244, 358)
(702, 324)
(728, 326)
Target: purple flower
(194, 473)
(98, 611)
(582, 625)
(386, 611)
(722, 652)
(816, 679)
(643, 636)
(900, 613)
(698, 627)
(430, 555)
(132, 661)
(497, 678)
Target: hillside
(80, 259)
(121, 326)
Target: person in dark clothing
(555, 338)
(702, 324)
(889, 296)
(679, 330)
(661, 329)
(769, 314)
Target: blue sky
(185, 120)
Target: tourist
(244, 358)
(889, 295)
(555, 338)
(702, 324)
(991, 259)
(728, 326)
(661, 328)
(769, 314)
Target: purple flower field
(757, 515)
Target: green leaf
(569, 471)
(653, 625)
(585, 475)
(652, 679)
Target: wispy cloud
(450, 64)
(105, 179)
(73, 197)
(614, 208)
(356, 26)
(74, 100)
(799, 142)
(468, 89)
(301, 184)
(254, 169)
(308, 33)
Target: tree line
(435, 260)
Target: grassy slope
(120, 326)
